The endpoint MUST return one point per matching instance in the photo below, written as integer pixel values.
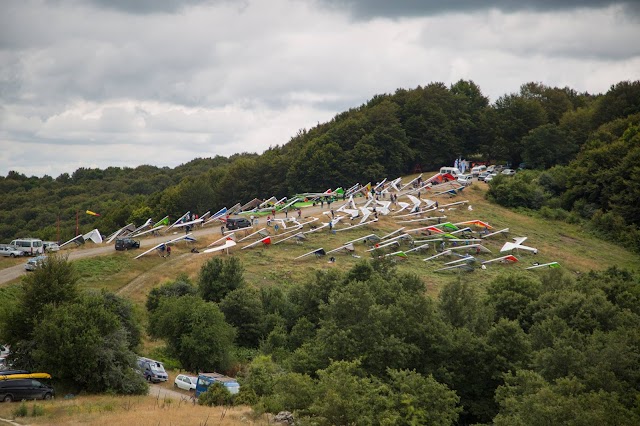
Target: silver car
(9, 251)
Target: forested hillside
(586, 144)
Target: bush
(21, 410)
(217, 394)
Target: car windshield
(156, 366)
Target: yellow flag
(92, 213)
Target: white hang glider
(148, 231)
(502, 231)
(184, 216)
(122, 231)
(145, 225)
(435, 256)
(227, 245)
(461, 267)
(349, 248)
(517, 245)
(93, 236)
(265, 241)
(77, 240)
(231, 236)
(545, 265)
(504, 259)
(318, 252)
(252, 234)
(300, 237)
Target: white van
(28, 246)
(451, 170)
(477, 170)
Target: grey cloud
(369, 9)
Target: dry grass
(132, 411)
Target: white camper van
(451, 170)
(28, 246)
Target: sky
(99, 83)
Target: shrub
(21, 410)
(217, 394)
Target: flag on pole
(92, 213)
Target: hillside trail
(9, 274)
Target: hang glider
(217, 215)
(122, 231)
(478, 223)
(420, 247)
(253, 204)
(392, 233)
(349, 248)
(93, 236)
(235, 209)
(465, 259)
(318, 252)
(78, 239)
(386, 244)
(189, 223)
(188, 237)
(299, 238)
(370, 237)
(517, 245)
(422, 219)
(231, 236)
(184, 216)
(463, 267)
(265, 241)
(252, 234)
(148, 231)
(402, 205)
(356, 225)
(145, 225)
(399, 254)
(548, 265)
(503, 259)
(412, 181)
(227, 245)
(316, 229)
(502, 231)
(164, 221)
(435, 256)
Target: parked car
(126, 244)
(185, 382)
(153, 371)
(24, 389)
(490, 177)
(477, 170)
(238, 223)
(32, 264)
(482, 176)
(50, 246)
(466, 180)
(509, 172)
(8, 251)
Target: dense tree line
(391, 135)
(86, 341)
(367, 346)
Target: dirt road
(14, 272)
(9, 274)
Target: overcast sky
(98, 83)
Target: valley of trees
(360, 346)
(584, 147)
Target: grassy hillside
(570, 245)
